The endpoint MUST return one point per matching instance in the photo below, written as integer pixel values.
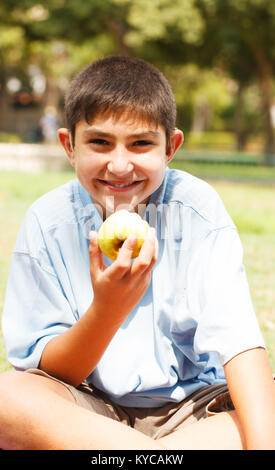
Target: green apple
(119, 226)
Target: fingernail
(132, 238)
(92, 235)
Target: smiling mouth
(117, 185)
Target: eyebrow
(141, 135)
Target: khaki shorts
(154, 422)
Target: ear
(175, 141)
(64, 136)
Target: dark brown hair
(118, 85)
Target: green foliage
(155, 19)
(212, 50)
(210, 140)
(243, 30)
(10, 53)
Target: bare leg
(39, 413)
(218, 432)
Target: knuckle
(122, 265)
(145, 259)
(91, 249)
(142, 264)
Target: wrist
(101, 313)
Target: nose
(120, 163)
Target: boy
(121, 354)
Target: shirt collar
(87, 210)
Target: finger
(96, 260)
(123, 262)
(155, 257)
(156, 249)
(148, 253)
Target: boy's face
(119, 162)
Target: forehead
(123, 124)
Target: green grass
(252, 207)
(230, 171)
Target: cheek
(156, 171)
(86, 166)
(84, 172)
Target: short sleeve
(220, 297)
(36, 308)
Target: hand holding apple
(117, 228)
(118, 288)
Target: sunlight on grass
(252, 208)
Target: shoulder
(197, 195)
(47, 212)
(56, 204)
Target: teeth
(120, 185)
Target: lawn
(249, 196)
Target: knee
(10, 379)
(10, 385)
(14, 407)
(21, 392)
(7, 380)
(15, 394)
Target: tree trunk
(52, 93)
(265, 84)
(239, 134)
(118, 31)
(201, 117)
(3, 96)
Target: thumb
(126, 251)
(123, 262)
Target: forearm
(73, 355)
(252, 390)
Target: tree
(68, 20)
(245, 47)
(232, 35)
(237, 36)
(94, 28)
(57, 36)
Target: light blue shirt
(196, 315)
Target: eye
(98, 142)
(142, 143)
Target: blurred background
(219, 56)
